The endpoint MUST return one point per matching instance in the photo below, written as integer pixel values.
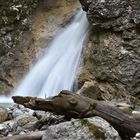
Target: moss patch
(94, 129)
(93, 106)
(135, 102)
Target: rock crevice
(113, 51)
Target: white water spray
(57, 69)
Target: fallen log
(78, 106)
(30, 136)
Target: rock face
(87, 129)
(112, 55)
(26, 26)
(14, 22)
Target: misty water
(56, 70)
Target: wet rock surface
(15, 21)
(112, 55)
(26, 28)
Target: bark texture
(78, 106)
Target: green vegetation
(93, 129)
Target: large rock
(3, 114)
(91, 90)
(24, 122)
(86, 129)
(112, 55)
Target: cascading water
(57, 69)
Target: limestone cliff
(26, 27)
(112, 56)
(14, 22)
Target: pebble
(136, 115)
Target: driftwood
(29, 136)
(78, 106)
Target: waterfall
(57, 68)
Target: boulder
(91, 90)
(24, 122)
(85, 129)
(3, 114)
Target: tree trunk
(78, 106)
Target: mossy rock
(97, 131)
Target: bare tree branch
(29, 136)
(78, 106)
